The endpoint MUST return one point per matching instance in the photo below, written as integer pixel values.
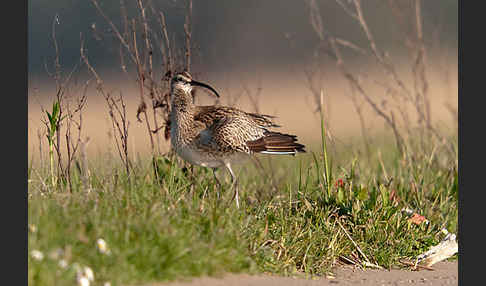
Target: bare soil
(444, 273)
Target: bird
(215, 136)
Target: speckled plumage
(215, 136)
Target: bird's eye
(181, 78)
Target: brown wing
(231, 133)
(211, 113)
(276, 143)
(229, 129)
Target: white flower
(32, 228)
(63, 263)
(107, 284)
(83, 281)
(88, 273)
(37, 255)
(102, 246)
(84, 275)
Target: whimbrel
(215, 136)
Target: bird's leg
(217, 182)
(234, 184)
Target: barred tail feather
(276, 143)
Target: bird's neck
(182, 101)
(182, 115)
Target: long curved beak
(197, 83)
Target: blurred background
(257, 54)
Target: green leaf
(55, 109)
(340, 195)
(49, 116)
(53, 128)
(362, 194)
(384, 195)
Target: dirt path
(444, 273)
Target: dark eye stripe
(182, 78)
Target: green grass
(288, 223)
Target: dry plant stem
(380, 159)
(388, 67)
(59, 88)
(84, 169)
(254, 97)
(122, 130)
(61, 98)
(41, 158)
(187, 32)
(421, 101)
(421, 59)
(113, 28)
(72, 144)
(388, 119)
(149, 54)
(368, 263)
(168, 54)
(123, 12)
(145, 36)
(324, 148)
(141, 79)
(231, 98)
(51, 156)
(57, 64)
(420, 79)
(116, 114)
(364, 130)
(143, 59)
(315, 86)
(335, 53)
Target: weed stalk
(51, 133)
(327, 171)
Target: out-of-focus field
(284, 94)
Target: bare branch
(187, 32)
(116, 118)
(113, 28)
(167, 56)
(141, 79)
(350, 45)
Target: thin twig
(355, 244)
(141, 79)
(187, 32)
(113, 28)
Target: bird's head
(183, 81)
